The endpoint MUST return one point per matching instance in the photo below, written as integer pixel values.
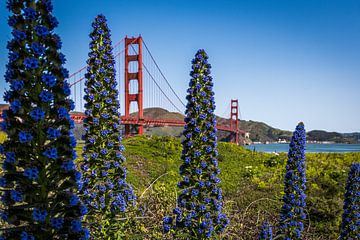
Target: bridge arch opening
(133, 67)
(134, 107)
(134, 86)
(133, 49)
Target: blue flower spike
(350, 227)
(266, 232)
(103, 182)
(38, 194)
(199, 211)
(292, 215)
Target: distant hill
(319, 135)
(160, 113)
(259, 131)
(355, 135)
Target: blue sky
(286, 61)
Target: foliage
(104, 177)
(319, 135)
(198, 214)
(261, 132)
(350, 227)
(153, 162)
(3, 137)
(38, 182)
(292, 214)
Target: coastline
(310, 147)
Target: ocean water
(277, 147)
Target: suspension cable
(151, 76)
(157, 66)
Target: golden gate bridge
(145, 86)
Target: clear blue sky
(286, 61)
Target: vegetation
(198, 214)
(292, 213)
(39, 181)
(38, 189)
(259, 131)
(350, 226)
(104, 177)
(252, 186)
(266, 232)
(318, 135)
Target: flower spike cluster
(266, 232)
(350, 227)
(104, 177)
(39, 182)
(199, 212)
(292, 213)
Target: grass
(251, 183)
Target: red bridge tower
(234, 120)
(131, 77)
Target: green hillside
(318, 135)
(251, 181)
(259, 131)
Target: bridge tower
(234, 120)
(131, 78)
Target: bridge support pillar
(234, 120)
(134, 77)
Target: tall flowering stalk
(266, 232)
(38, 185)
(292, 213)
(105, 189)
(198, 214)
(350, 227)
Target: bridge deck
(79, 117)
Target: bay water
(312, 147)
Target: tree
(39, 181)
(198, 215)
(105, 189)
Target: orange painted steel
(79, 117)
(137, 97)
(136, 76)
(234, 120)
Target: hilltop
(259, 131)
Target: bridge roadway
(79, 117)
